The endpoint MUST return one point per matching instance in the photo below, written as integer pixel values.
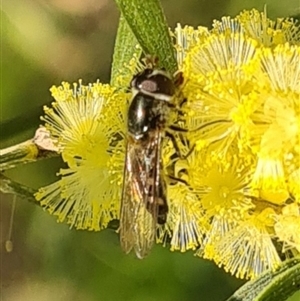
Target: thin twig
(23, 192)
(40, 147)
(26, 193)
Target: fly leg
(177, 129)
(162, 204)
(170, 135)
(173, 179)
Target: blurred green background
(42, 44)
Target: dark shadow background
(42, 44)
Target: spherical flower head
(185, 225)
(258, 26)
(88, 123)
(220, 87)
(234, 81)
(246, 249)
(279, 131)
(242, 89)
(226, 187)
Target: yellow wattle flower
(243, 101)
(247, 249)
(88, 122)
(237, 193)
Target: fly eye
(148, 85)
(139, 78)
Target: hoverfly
(144, 200)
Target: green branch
(40, 147)
(11, 187)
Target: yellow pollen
(224, 191)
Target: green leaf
(126, 47)
(276, 285)
(147, 21)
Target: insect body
(144, 202)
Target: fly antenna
(150, 61)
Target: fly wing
(144, 232)
(139, 208)
(128, 207)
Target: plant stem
(40, 147)
(11, 187)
